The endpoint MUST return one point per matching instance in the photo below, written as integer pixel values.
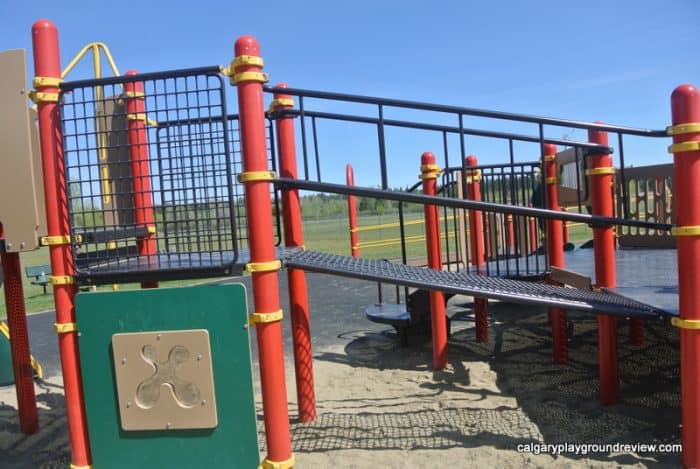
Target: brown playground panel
(22, 211)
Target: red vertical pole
(488, 245)
(48, 72)
(685, 111)
(476, 239)
(533, 233)
(294, 238)
(135, 102)
(248, 77)
(510, 232)
(429, 173)
(601, 177)
(19, 341)
(555, 252)
(352, 214)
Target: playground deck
(649, 276)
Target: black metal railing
(185, 183)
(452, 132)
(376, 110)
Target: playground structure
(148, 178)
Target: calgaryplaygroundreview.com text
(591, 448)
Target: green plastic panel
(220, 309)
(7, 376)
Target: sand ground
(380, 405)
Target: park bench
(40, 273)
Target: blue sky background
(615, 61)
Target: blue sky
(615, 61)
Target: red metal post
(248, 77)
(294, 238)
(48, 71)
(555, 252)
(510, 232)
(476, 239)
(488, 245)
(19, 341)
(564, 229)
(685, 111)
(601, 183)
(429, 174)
(135, 103)
(352, 214)
(533, 233)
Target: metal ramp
(517, 291)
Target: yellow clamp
(247, 60)
(259, 77)
(691, 230)
(552, 180)
(46, 81)
(686, 323)
(548, 158)
(430, 167)
(684, 146)
(241, 60)
(75, 466)
(679, 129)
(429, 175)
(61, 280)
(270, 266)
(139, 116)
(151, 229)
(254, 176)
(279, 102)
(267, 464)
(264, 318)
(473, 179)
(354, 230)
(59, 240)
(41, 97)
(600, 171)
(473, 175)
(134, 94)
(65, 327)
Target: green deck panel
(221, 309)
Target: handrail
(465, 111)
(441, 128)
(594, 220)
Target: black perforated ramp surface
(516, 291)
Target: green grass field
(327, 235)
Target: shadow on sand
(555, 403)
